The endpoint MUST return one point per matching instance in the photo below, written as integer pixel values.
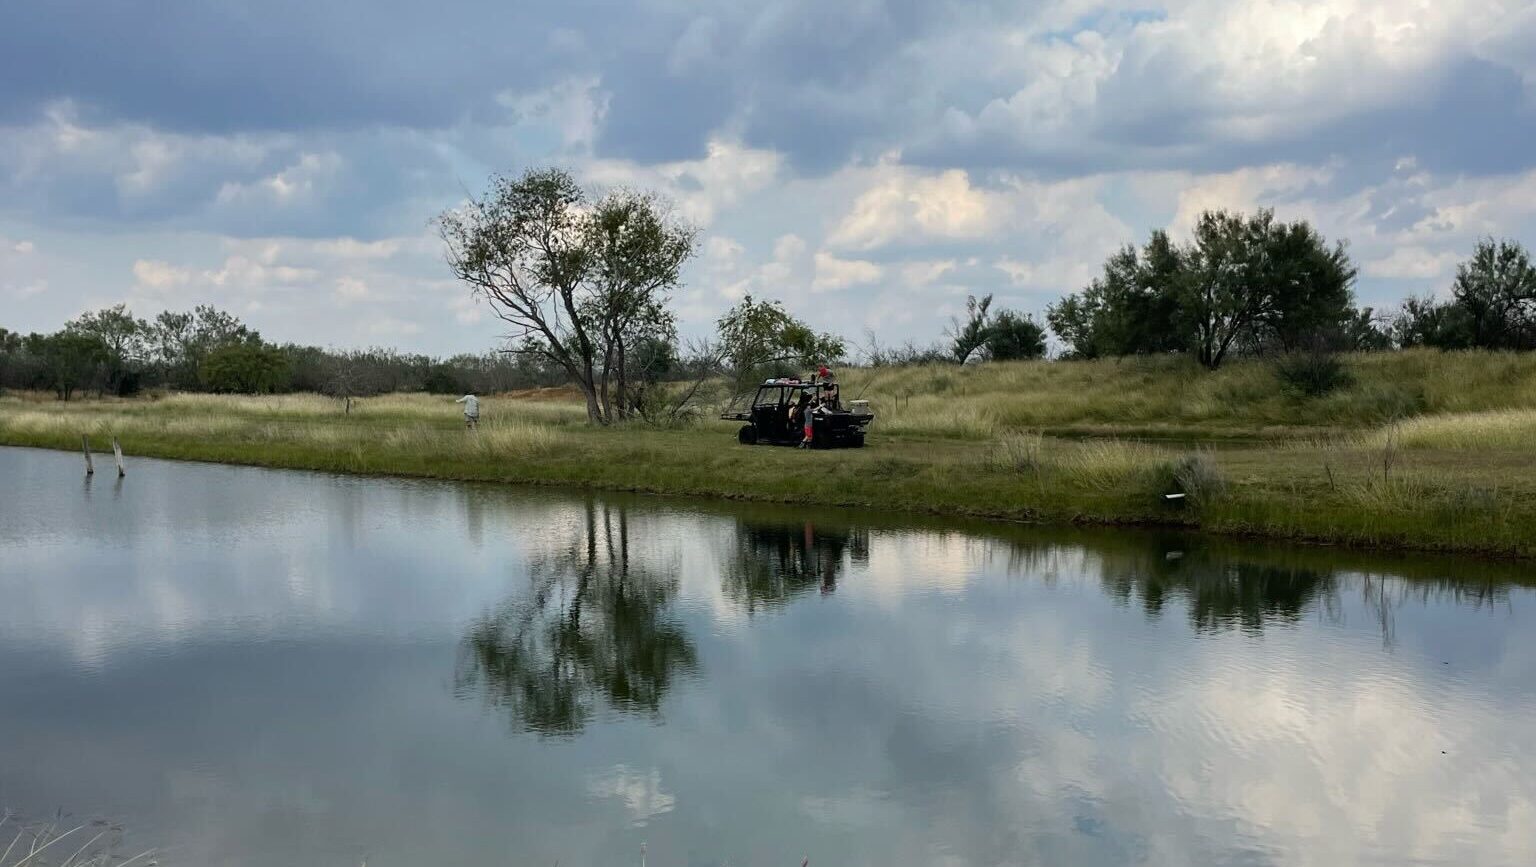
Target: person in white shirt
(471, 410)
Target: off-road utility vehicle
(777, 413)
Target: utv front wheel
(747, 436)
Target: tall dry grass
(87, 844)
(399, 423)
(1471, 431)
(1242, 398)
(491, 439)
(1150, 396)
(1109, 466)
(191, 408)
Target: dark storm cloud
(675, 74)
(188, 65)
(656, 116)
(821, 83)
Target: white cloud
(1413, 263)
(23, 247)
(1242, 190)
(1206, 73)
(908, 205)
(349, 289)
(788, 248)
(297, 183)
(389, 326)
(351, 248)
(136, 162)
(467, 310)
(728, 173)
(573, 108)
(231, 281)
(158, 275)
(924, 273)
(833, 273)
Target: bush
(245, 368)
(1312, 374)
(1197, 476)
(1012, 336)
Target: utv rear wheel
(747, 436)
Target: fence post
(85, 444)
(117, 452)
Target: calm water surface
(253, 667)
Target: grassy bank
(1421, 450)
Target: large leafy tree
(1306, 283)
(1249, 284)
(1424, 321)
(1130, 309)
(1013, 336)
(581, 282)
(1004, 335)
(69, 359)
(11, 352)
(637, 253)
(1492, 304)
(1496, 293)
(124, 340)
(1262, 285)
(245, 368)
(182, 341)
(761, 337)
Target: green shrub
(1312, 374)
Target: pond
(258, 667)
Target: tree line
(1256, 286)
(112, 352)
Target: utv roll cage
(778, 409)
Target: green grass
(1422, 451)
(1172, 397)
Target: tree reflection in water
(772, 563)
(595, 630)
(1219, 593)
(1223, 589)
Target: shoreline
(1243, 515)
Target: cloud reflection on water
(747, 684)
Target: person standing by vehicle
(471, 410)
(808, 408)
(798, 408)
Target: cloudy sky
(870, 162)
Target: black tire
(858, 441)
(747, 436)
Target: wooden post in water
(117, 452)
(85, 443)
